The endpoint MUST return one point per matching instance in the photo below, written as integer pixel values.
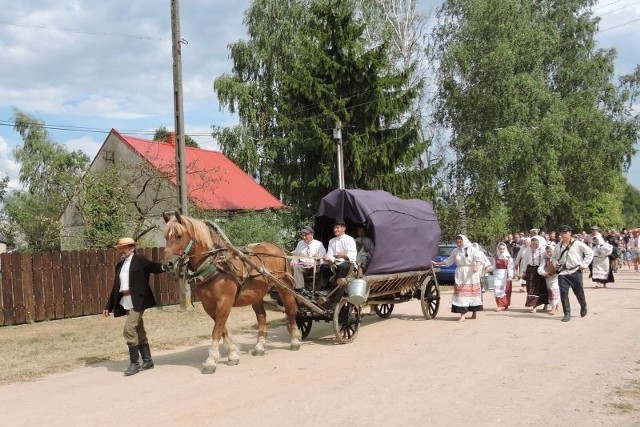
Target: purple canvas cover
(405, 232)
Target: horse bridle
(183, 260)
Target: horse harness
(218, 261)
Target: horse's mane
(198, 230)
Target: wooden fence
(57, 285)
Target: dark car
(446, 275)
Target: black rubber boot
(566, 308)
(145, 352)
(134, 357)
(583, 303)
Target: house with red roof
(148, 169)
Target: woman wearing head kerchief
(602, 273)
(537, 292)
(520, 264)
(547, 270)
(502, 267)
(467, 291)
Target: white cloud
(8, 167)
(86, 144)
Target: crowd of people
(547, 264)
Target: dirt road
(511, 368)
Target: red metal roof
(213, 181)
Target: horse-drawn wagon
(406, 235)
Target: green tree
(538, 125)
(4, 183)
(49, 173)
(161, 135)
(289, 96)
(631, 206)
(102, 199)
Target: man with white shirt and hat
(131, 296)
(311, 251)
(341, 252)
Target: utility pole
(181, 170)
(337, 136)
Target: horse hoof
(294, 347)
(257, 352)
(208, 369)
(232, 362)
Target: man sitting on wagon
(310, 251)
(341, 254)
(365, 248)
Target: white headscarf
(465, 240)
(502, 252)
(538, 255)
(542, 242)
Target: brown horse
(226, 277)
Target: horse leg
(209, 366)
(290, 309)
(232, 348)
(261, 317)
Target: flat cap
(565, 227)
(307, 229)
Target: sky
(87, 66)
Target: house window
(109, 157)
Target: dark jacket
(141, 294)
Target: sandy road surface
(511, 368)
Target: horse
(226, 277)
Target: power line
(92, 33)
(620, 8)
(70, 128)
(608, 4)
(619, 25)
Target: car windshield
(445, 250)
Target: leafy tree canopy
(305, 68)
(540, 126)
(50, 174)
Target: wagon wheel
(346, 321)
(383, 310)
(304, 325)
(430, 297)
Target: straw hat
(125, 241)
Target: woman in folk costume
(537, 293)
(547, 270)
(520, 264)
(502, 267)
(601, 273)
(467, 291)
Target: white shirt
(345, 244)
(314, 248)
(578, 256)
(125, 301)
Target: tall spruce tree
(325, 73)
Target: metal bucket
(487, 282)
(358, 291)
